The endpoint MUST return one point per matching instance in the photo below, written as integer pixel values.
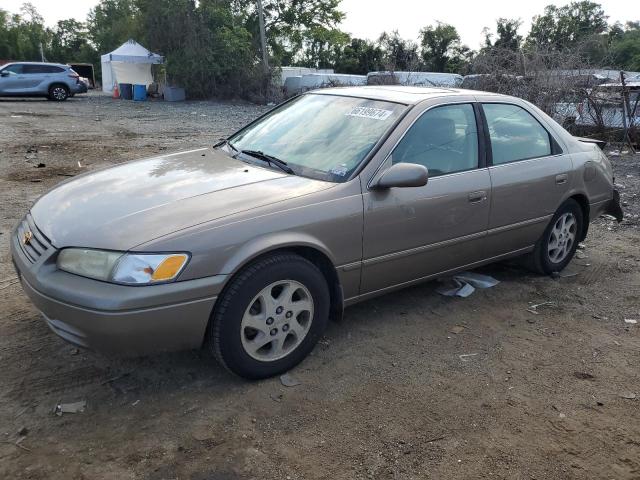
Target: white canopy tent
(129, 63)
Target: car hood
(124, 206)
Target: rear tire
(58, 93)
(269, 317)
(558, 244)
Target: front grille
(37, 244)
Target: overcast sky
(369, 18)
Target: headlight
(120, 267)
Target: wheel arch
(304, 246)
(583, 201)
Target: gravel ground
(411, 385)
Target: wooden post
(626, 113)
(263, 38)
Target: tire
(58, 93)
(252, 299)
(558, 244)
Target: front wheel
(270, 316)
(559, 242)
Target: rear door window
(515, 134)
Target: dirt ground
(411, 385)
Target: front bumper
(116, 319)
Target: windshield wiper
(281, 164)
(224, 141)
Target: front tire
(559, 242)
(58, 93)
(270, 316)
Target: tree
(399, 54)
(507, 35)
(111, 23)
(442, 50)
(625, 47)
(69, 42)
(22, 34)
(564, 27)
(298, 31)
(360, 57)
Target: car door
(34, 75)
(412, 233)
(529, 176)
(11, 79)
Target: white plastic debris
(631, 321)
(288, 381)
(465, 283)
(74, 407)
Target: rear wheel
(559, 242)
(58, 93)
(270, 316)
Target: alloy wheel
(277, 320)
(562, 237)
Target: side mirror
(4, 74)
(403, 175)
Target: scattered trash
(580, 255)
(23, 431)
(135, 403)
(79, 164)
(277, 398)
(628, 395)
(74, 351)
(630, 321)
(16, 444)
(465, 283)
(288, 381)
(583, 376)
(465, 357)
(457, 329)
(534, 308)
(16, 116)
(562, 415)
(582, 246)
(41, 165)
(74, 407)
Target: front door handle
(477, 197)
(561, 179)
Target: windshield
(321, 136)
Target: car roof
(37, 63)
(398, 93)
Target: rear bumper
(613, 208)
(117, 319)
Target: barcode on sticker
(369, 112)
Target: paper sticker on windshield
(369, 112)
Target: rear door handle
(562, 179)
(477, 197)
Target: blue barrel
(139, 93)
(126, 91)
